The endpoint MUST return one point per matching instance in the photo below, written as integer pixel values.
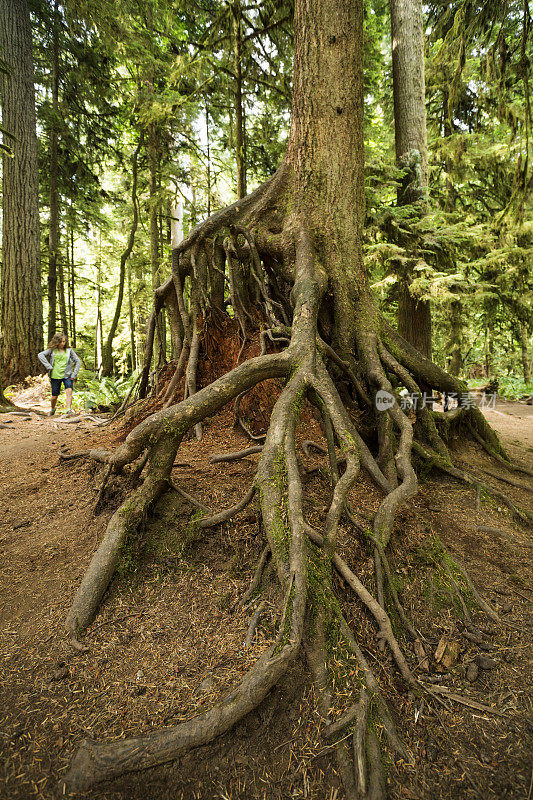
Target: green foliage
(167, 70)
(106, 392)
(511, 387)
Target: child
(63, 366)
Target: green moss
(438, 587)
(128, 562)
(287, 623)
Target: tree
(107, 354)
(407, 33)
(21, 314)
(293, 252)
(53, 234)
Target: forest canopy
(144, 108)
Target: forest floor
(168, 640)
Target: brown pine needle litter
(168, 641)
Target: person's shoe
(52, 412)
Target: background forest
(152, 110)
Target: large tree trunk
(21, 315)
(240, 134)
(407, 32)
(53, 236)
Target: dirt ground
(168, 639)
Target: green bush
(101, 393)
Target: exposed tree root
(436, 461)
(270, 256)
(254, 622)
(248, 451)
(255, 583)
(96, 455)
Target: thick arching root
(265, 257)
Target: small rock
(485, 662)
(446, 653)
(472, 672)
(60, 674)
(450, 655)
(207, 685)
(441, 647)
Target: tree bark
(107, 354)
(152, 148)
(61, 295)
(240, 135)
(407, 32)
(131, 317)
(456, 337)
(414, 319)
(523, 349)
(53, 236)
(72, 286)
(409, 98)
(21, 311)
(326, 148)
(98, 337)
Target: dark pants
(56, 385)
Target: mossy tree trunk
(21, 310)
(53, 156)
(407, 32)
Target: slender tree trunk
(448, 164)
(61, 295)
(240, 134)
(68, 279)
(53, 238)
(208, 160)
(98, 339)
(131, 317)
(523, 348)
(175, 216)
(107, 355)
(414, 316)
(456, 337)
(489, 350)
(154, 237)
(21, 311)
(72, 287)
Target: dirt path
(51, 697)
